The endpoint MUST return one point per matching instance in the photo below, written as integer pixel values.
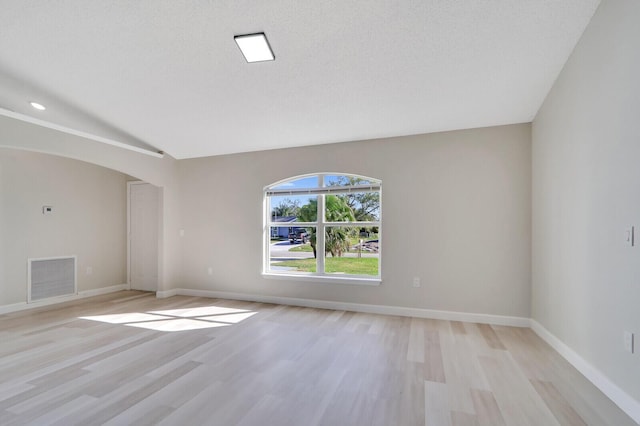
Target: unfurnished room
(320, 213)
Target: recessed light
(38, 106)
(254, 47)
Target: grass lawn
(347, 265)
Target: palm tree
(309, 213)
(336, 237)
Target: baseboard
(166, 293)
(615, 394)
(357, 307)
(103, 290)
(5, 309)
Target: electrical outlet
(89, 270)
(416, 282)
(210, 270)
(628, 341)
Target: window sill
(326, 279)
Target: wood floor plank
(199, 410)
(486, 408)
(270, 410)
(130, 399)
(151, 417)
(434, 366)
(560, 408)
(436, 404)
(168, 399)
(416, 349)
(519, 403)
(64, 373)
(462, 371)
(458, 327)
(7, 417)
(55, 414)
(459, 418)
(38, 404)
(490, 336)
(9, 390)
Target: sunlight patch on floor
(178, 319)
(126, 318)
(177, 324)
(199, 312)
(229, 318)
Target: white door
(143, 236)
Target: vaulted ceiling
(166, 75)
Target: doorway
(142, 226)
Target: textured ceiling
(167, 74)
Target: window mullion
(320, 243)
(355, 224)
(293, 224)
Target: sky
(305, 182)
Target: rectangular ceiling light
(254, 47)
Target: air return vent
(51, 277)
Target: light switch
(628, 341)
(629, 237)
(47, 209)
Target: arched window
(325, 225)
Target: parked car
(298, 235)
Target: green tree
(336, 237)
(365, 205)
(309, 213)
(287, 207)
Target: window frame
(321, 190)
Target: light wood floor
(260, 364)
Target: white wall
(456, 212)
(158, 171)
(586, 190)
(22, 135)
(88, 219)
